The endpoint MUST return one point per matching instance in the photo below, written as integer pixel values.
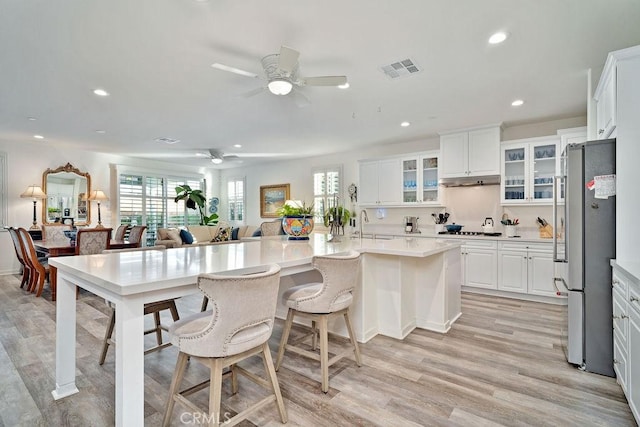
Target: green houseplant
(195, 199)
(337, 217)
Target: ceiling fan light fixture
(216, 160)
(280, 87)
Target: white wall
(27, 161)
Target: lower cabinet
(479, 264)
(526, 268)
(626, 336)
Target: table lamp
(98, 196)
(34, 192)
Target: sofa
(202, 235)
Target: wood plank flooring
(502, 364)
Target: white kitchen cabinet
(480, 264)
(527, 170)
(605, 97)
(380, 182)
(470, 152)
(626, 335)
(526, 268)
(420, 179)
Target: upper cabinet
(380, 182)
(420, 179)
(605, 97)
(528, 167)
(470, 152)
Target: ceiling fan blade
(300, 99)
(325, 81)
(287, 59)
(234, 70)
(253, 92)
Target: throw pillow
(186, 237)
(234, 233)
(174, 235)
(224, 235)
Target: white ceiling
(154, 58)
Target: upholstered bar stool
(154, 308)
(238, 327)
(319, 302)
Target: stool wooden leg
(314, 336)
(234, 379)
(285, 336)
(275, 387)
(215, 391)
(181, 364)
(107, 336)
(174, 311)
(352, 337)
(156, 320)
(324, 353)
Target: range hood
(468, 181)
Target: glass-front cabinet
(528, 168)
(420, 179)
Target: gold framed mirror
(66, 187)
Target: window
(148, 199)
(326, 189)
(3, 189)
(235, 199)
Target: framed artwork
(272, 197)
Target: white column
(65, 338)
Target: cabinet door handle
(624, 316)
(615, 317)
(616, 361)
(633, 299)
(600, 131)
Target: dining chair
(20, 254)
(154, 308)
(121, 231)
(90, 241)
(38, 270)
(227, 334)
(271, 228)
(319, 302)
(136, 234)
(55, 231)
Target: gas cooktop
(470, 233)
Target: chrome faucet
(363, 218)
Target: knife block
(546, 232)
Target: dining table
(131, 279)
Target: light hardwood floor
(501, 364)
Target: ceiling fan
(281, 73)
(217, 156)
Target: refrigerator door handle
(558, 291)
(556, 180)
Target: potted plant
(337, 217)
(195, 199)
(297, 219)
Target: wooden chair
(55, 231)
(39, 271)
(90, 241)
(271, 228)
(20, 254)
(150, 308)
(121, 231)
(319, 302)
(226, 335)
(136, 234)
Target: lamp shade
(97, 195)
(33, 192)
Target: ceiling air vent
(403, 68)
(167, 140)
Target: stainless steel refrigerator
(588, 218)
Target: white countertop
(131, 272)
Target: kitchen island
(404, 283)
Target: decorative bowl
(453, 227)
(298, 227)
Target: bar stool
(320, 302)
(227, 334)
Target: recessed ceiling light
(498, 37)
(38, 136)
(517, 102)
(238, 145)
(31, 119)
(101, 131)
(344, 86)
(405, 124)
(101, 92)
(166, 140)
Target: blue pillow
(234, 233)
(257, 233)
(186, 237)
